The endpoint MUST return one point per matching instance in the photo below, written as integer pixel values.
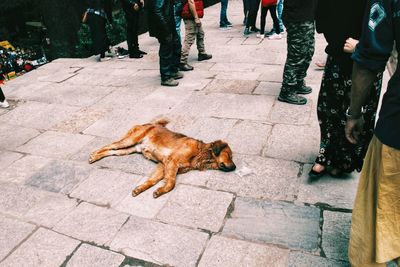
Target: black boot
(303, 89)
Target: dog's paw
(156, 194)
(136, 192)
(92, 158)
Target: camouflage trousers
(300, 49)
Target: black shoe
(177, 75)
(169, 82)
(122, 52)
(204, 56)
(303, 90)
(185, 67)
(246, 31)
(135, 55)
(292, 98)
(271, 32)
(141, 52)
(254, 29)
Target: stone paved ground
(57, 210)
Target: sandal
(315, 174)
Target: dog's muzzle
(227, 168)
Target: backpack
(199, 9)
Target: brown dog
(174, 152)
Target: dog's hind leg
(155, 177)
(171, 170)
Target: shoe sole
(303, 93)
(291, 102)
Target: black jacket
(299, 10)
(161, 20)
(127, 6)
(106, 5)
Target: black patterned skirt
(333, 101)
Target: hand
(136, 7)
(350, 45)
(354, 127)
(141, 3)
(197, 21)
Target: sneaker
(275, 36)
(260, 35)
(224, 27)
(110, 54)
(141, 52)
(292, 98)
(177, 75)
(304, 90)
(204, 56)
(229, 25)
(105, 59)
(136, 55)
(254, 29)
(246, 31)
(169, 82)
(122, 52)
(271, 32)
(4, 104)
(185, 67)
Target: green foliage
(115, 32)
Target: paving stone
(56, 144)
(231, 86)
(88, 255)
(23, 88)
(268, 88)
(281, 223)
(44, 248)
(336, 234)
(23, 168)
(12, 233)
(270, 73)
(105, 187)
(199, 105)
(159, 243)
(16, 200)
(32, 114)
(12, 136)
(291, 114)
(83, 154)
(92, 224)
(57, 77)
(238, 75)
(248, 137)
(233, 67)
(7, 158)
(222, 251)
(301, 143)
(59, 176)
(299, 259)
(196, 207)
(144, 205)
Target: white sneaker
(4, 104)
(275, 36)
(259, 35)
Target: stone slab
(232, 67)
(284, 113)
(328, 190)
(88, 255)
(7, 158)
(301, 143)
(226, 252)
(13, 232)
(57, 77)
(92, 224)
(270, 73)
(299, 259)
(268, 88)
(24, 168)
(56, 144)
(59, 176)
(32, 114)
(231, 86)
(160, 243)
(12, 136)
(196, 207)
(281, 223)
(105, 187)
(44, 248)
(238, 75)
(336, 234)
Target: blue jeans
(279, 8)
(178, 19)
(223, 20)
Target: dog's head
(223, 155)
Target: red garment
(186, 14)
(267, 3)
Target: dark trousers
(272, 11)
(132, 27)
(2, 97)
(170, 55)
(252, 14)
(98, 33)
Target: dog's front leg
(155, 177)
(170, 171)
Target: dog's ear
(217, 147)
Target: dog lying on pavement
(174, 152)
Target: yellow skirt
(375, 229)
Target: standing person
(161, 22)
(253, 6)
(336, 152)
(191, 14)
(3, 101)
(279, 9)
(245, 11)
(178, 19)
(298, 17)
(375, 229)
(223, 19)
(131, 9)
(269, 5)
(96, 16)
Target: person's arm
(161, 20)
(192, 8)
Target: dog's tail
(161, 122)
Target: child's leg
(264, 11)
(272, 10)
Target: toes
(156, 194)
(136, 192)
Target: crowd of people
(358, 46)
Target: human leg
(190, 36)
